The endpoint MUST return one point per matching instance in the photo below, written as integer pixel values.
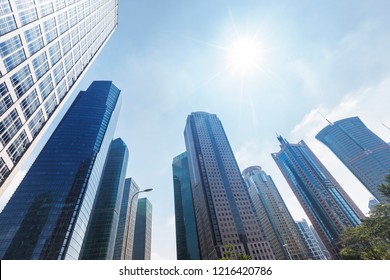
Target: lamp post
(288, 252)
(128, 226)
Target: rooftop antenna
(386, 126)
(324, 117)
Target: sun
(245, 55)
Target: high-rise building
(125, 234)
(365, 154)
(48, 214)
(372, 202)
(45, 48)
(275, 220)
(315, 252)
(223, 210)
(325, 202)
(103, 226)
(142, 246)
(187, 244)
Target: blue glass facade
(48, 214)
(327, 205)
(143, 231)
(315, 251)
(187, 244)
(364, 153)
(275, 220)
(102, 229)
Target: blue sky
(169, 59)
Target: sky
(171, 58)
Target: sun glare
(245, 56)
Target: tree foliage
(229, 254)
(371, 239)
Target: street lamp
(288, 252)
(128, 226)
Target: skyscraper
(325, 202)
(187, 244)
(143, 231)
(275, 220)
(128, 212)
(315, 251)
(45, 48)
(103, 226)
(48, 214)
(364, 153)
(223, 211)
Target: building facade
(48, 214)
(45, 48)
(275, 220)
(315, 251)
(103, 226)
(325, 202)
(128, 212)
(223, 210)
(365, 154)
(187, 244)
(142, 246)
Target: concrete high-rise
(48, 214)
(315, 251)
(103, 226)
(365, 154)
(128, 212)
(277, 224)
(223, 211)
(325, 202)
(142, 244)
(187, 244)
(45, 49)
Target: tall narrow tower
(325, 202)
(45, 49)
(143, 231)
(223, 211)
(276, 221)
(48, 214)
(365, 154)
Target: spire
(386, 126)
(324, 117)
(282, 140)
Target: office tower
(325, 202)
(125, 234)
(315, 251)
(365, 154)
(142, 246)
(45, 49)
(372, 203)
(223, 211)
(320, 243)
(48, 214)
(187, 245)
(103, 226)
(278, 226)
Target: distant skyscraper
(363, 152)
(187, 244)
(143, 231)
(45, 48)
(372, 203)
(48, 214)
(311, 241)
(275, 220)
(103, 226)
(223, 211)
(125, 234)
(325, 202)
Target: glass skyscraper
(102, 229)
(325, 202)
(223, 211)
(142, 246)
(48, 214)
(128, 212)
(187, 244)
(365, 154)
(278, 225)
(315, 251)
(45, 48)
